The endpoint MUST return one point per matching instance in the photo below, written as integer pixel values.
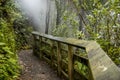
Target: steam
(36, 11)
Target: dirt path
(35, 69)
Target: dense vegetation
(82, 19)
(22, 31)
(14, 35)
(91, 20)
(9, 68)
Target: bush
(9, 68)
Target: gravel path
(35, 69)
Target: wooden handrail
(85, 59)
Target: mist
(36, 10)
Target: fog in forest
(36, 10)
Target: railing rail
(75, 59)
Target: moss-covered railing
(75, 59)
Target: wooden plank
(36, 45)
(40, 40)
(65, 74)
(52, 53)
(64, 50)
(48, 60)
(59, 58)
(101, 67)
(70, 62)
(45, 42)
(70, 41)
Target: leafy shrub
(112, 51)
(100, 21)
(23, 34)
(9, 68)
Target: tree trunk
(47, 17)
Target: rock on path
(34, 68)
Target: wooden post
(33, 44)
(52, 53)
(37, 40)
(70, 62)
(59, 58)
(40, 40)
(90, 72)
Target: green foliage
(8, 64)
(104, 26)
(23, 31)
(81, 68)
(114, 54)
(9, 68)
(113, 51)
(6, 34)
(101, 22)
(68, 26)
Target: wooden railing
(75, 59)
